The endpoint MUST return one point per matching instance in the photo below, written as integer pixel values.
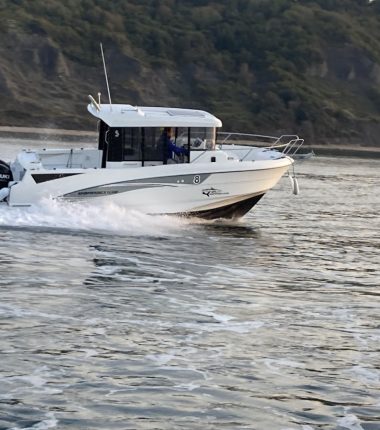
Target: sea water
(112, 319)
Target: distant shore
(47, 134)
(346, 150)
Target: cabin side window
(153, 145)
(124, 144)
(201, 138)
(102, 130)
(114, 139)
(131, 144)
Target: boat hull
(228, 211)
(215, 190)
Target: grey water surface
(112, 319)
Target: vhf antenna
(105, 73)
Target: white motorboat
(155, 160)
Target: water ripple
(153, 322)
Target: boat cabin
(146, 136)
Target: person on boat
(170, 147)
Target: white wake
(106, 218)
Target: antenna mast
(105, 73)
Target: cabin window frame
(139, 142)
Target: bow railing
(287, 144)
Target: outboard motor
(5, 177)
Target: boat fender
(296, 188)
(291, 181)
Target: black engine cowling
(5, 174)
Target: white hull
(195, 189)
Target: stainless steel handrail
(289, 147)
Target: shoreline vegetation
(309, 67)
(81, 136)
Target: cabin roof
(118, 115)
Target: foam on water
(49, 422)
(278, 365)
(302, 428)
(365, 375)
(7, 311)
(350, 422)
(105, 218)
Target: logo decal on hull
(213, 192)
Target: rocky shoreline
(346, 150)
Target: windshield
(201, 138)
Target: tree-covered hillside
(305, 66)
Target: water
(116, 320)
